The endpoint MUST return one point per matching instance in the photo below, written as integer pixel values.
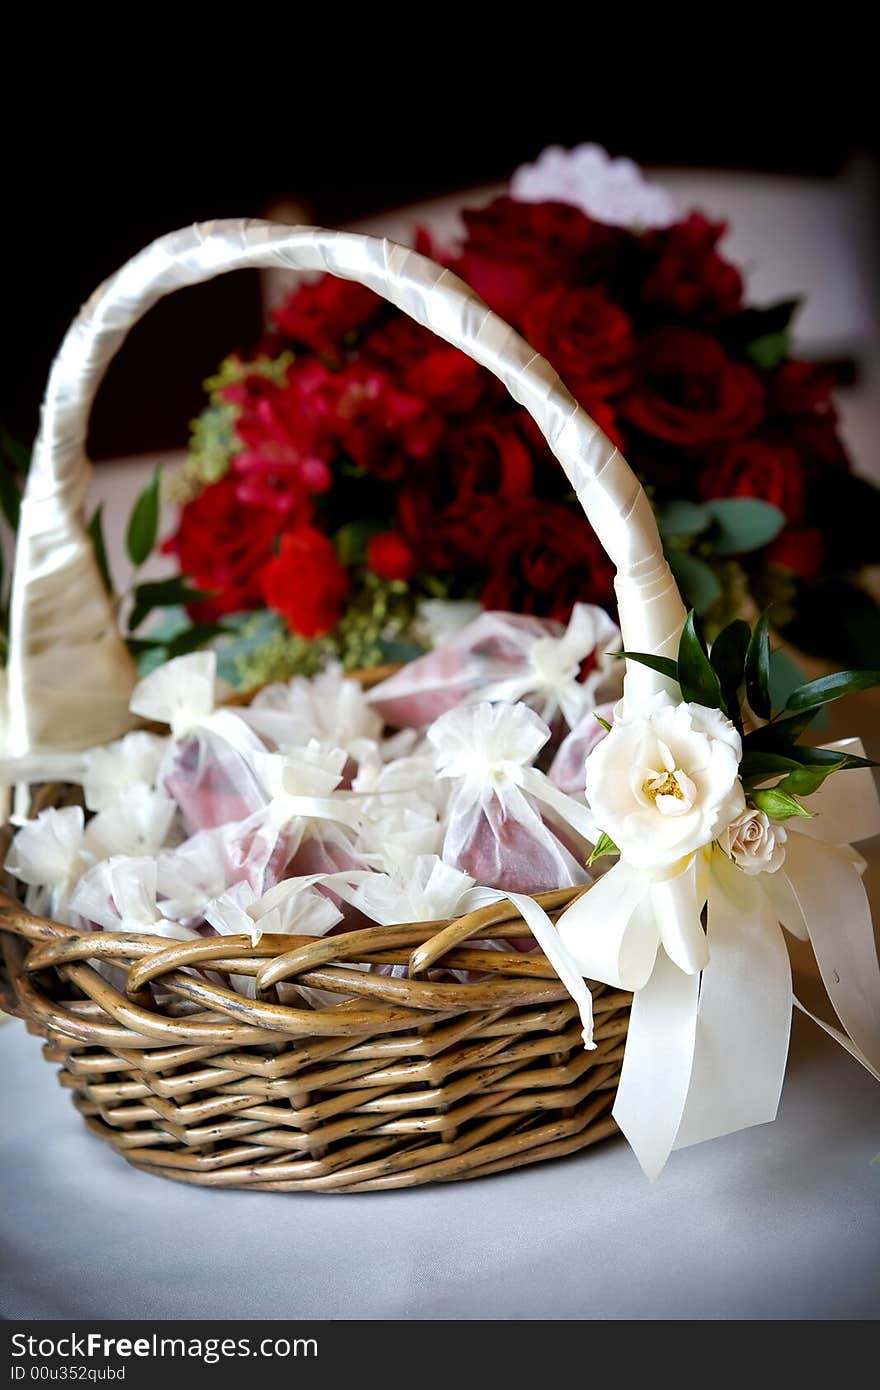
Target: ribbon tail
(743, 1021)
(574, 813)
(837, 914)
(657, 1064)
(563, 962)
(839, 1037)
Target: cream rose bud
(755, 843)
(666, 782)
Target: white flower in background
(50, 855)
(614, 191)
(109, 770)
(119, 894)
(755, 843)
(329, 708)
(136, 822)
(666, 783)
(439, 619)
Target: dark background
(95, 183)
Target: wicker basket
(404, 1081)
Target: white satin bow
(709, 1029)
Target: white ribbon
(709, 1029)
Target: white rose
(665, 783)
(755, 843)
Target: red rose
(323, 315)
(687, 276)
(221, 545)
(428, 367)
(484, 464)
(801, 392)
(584, 336)
(688, 391)
(755, 468)
(800, 549)
(389, 555)
(542, 558)
(381, 427)
(514, 250)
(306, 583)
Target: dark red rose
(484, 463)
(755, 468)
(584, 336)
(325, 314)
(306, 583)
(390, 556)
(801, 388)
(285, 430)
(514, 250)
(802, 393)
(542, 558)
(221, 545)
(381, 427)
(689, 392)
(686, 275)
(800, 549)
(426, 366)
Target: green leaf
(699, 682)
(728, 657)
(683, 518)
(770, 349)
(699, 584)
(758, 766)
(605, 845)
(758, 669)
(785, 676)
(162, 593)
(832, 757)
(10, 497)
(143, 526)
(191, 638)
(780, 734)
(96, 536)
(779, 805)
(663, 664)
(803, 781)
(743, 524)
(604, 722)
(833, 687)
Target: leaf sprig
(734, 676)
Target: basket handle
(70, 675)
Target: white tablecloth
(782, 1221)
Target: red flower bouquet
(359, 467)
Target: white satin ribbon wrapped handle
(69, 673)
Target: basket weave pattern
(405, 1081)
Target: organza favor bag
(507, 825)
(558, 671)
(208, 766)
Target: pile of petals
(306, 812)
